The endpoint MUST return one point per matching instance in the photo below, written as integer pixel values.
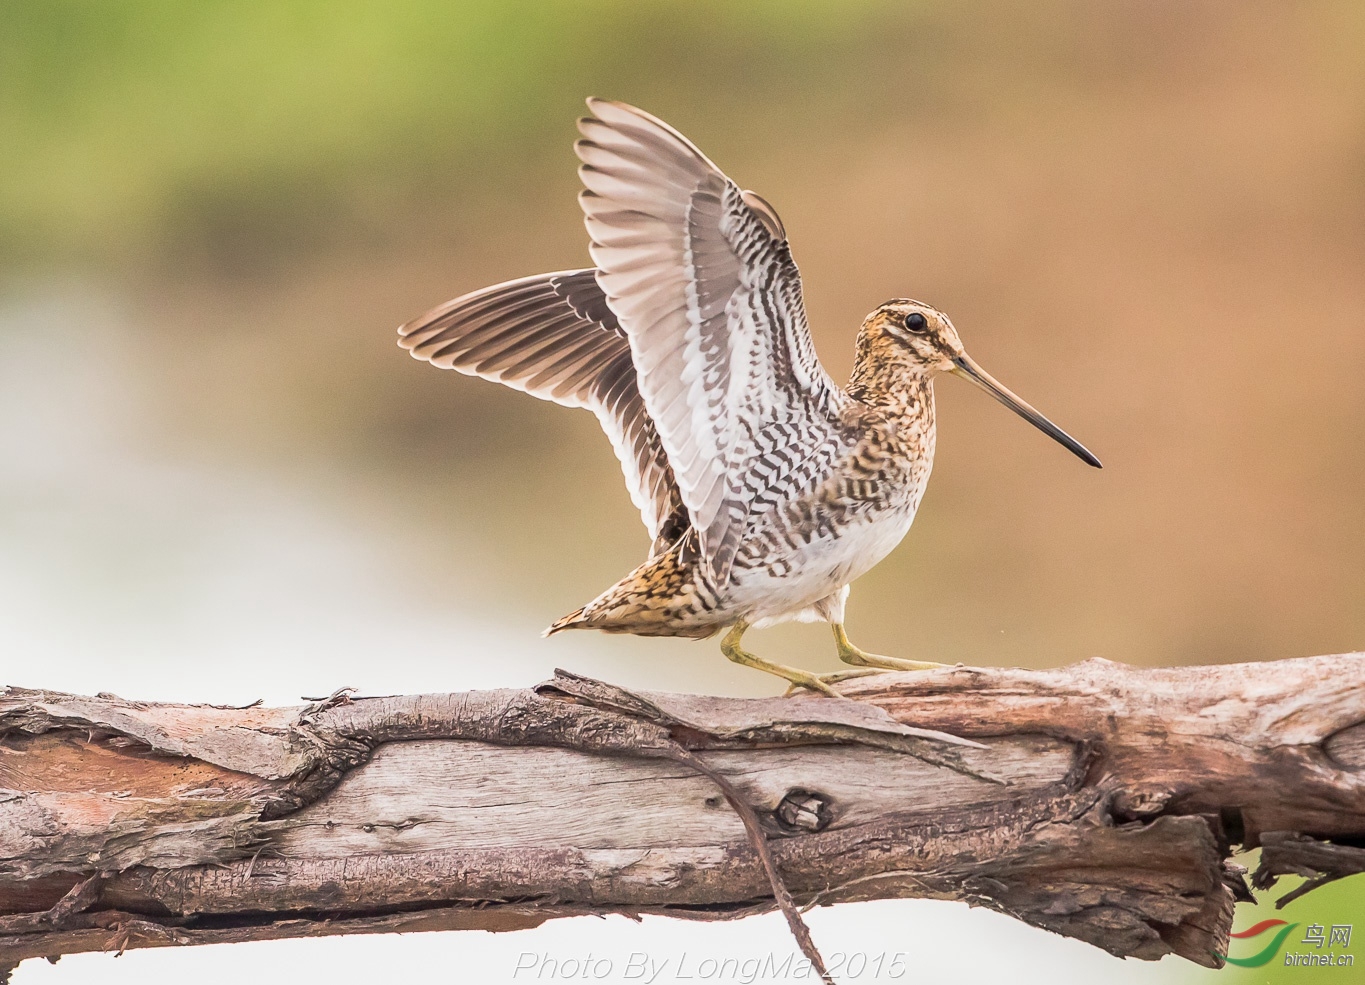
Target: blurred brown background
(1148, 218)
(220, 479)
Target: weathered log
(1099, 801)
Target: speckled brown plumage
(766, 488)
(874, 470)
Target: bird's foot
(838, 677)
(881, 664)
(792, 675)
(858, 657)
(804, 681)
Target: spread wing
(553, 336)
(701, 279)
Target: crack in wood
(1098, 801)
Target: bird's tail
(573, 620)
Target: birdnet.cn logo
(1323, 946)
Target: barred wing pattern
(553, 336)
(702, 281)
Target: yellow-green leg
(800, 678)
(851, 654)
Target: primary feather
(554, 337)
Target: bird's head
(922, 339)
(913, 332)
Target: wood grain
(1098, 801)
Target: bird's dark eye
(915, 322)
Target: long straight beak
(965, 366)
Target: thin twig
(759, 841)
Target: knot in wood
(804, 810)
(1141, 803)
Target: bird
(766, 488)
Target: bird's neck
(885, 379)
(895, 411)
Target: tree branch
(1098, 801)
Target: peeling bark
(1098, 801)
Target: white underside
(816, 588)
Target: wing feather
(555, 337)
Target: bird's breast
(788, 566)
(820, 541)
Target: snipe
(765, 486)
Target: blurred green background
(1146, 217)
